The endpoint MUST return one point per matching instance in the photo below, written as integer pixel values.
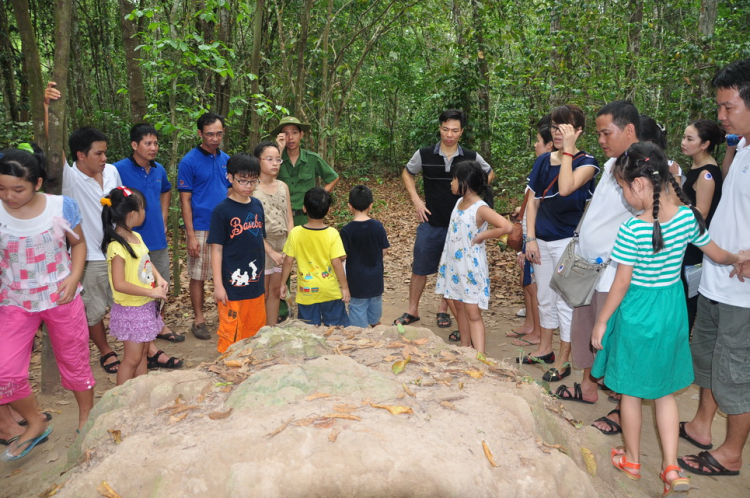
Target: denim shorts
(428, 247)
(366, 311)
(721, 354)
(327, 313)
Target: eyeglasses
(211, 134)
(254, 181)
(554, 128)
(273, 160)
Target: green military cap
(289, 120)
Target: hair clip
(125, 191)
(105, 201)
(646, 160)
(655, 173)
(26, 147)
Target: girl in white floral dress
(463, 277)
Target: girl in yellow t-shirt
(136, 285)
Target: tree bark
(254, 135)
(707, 19)
(634, 46)
(223, 83)
(483, 92)
(7, 56)
(299, 87)
(326, 82)
(33, 68)
(130, 40)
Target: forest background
(371, 76)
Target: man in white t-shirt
(617, 126)
(721, 335)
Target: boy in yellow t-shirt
(319, 253)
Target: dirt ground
(30, 476)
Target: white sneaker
(521, 313)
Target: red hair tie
(125, 191)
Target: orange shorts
(239, 320)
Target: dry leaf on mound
(394, 409)
(220, 415)
(333, 435)
(407, 390)
(106, 490)
(399, 366)
(474, 374)
(488, 453)
(116, 435)
(315, 396)
(345, 408)
(345, 416)
(279, 429)
(588, 457)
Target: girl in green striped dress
(642, 330)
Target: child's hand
(220, 294)
(281, 141)
(282, 291)
(598, 334)
(345, 295)
(51, 93)
(478, 238)
(67, 291)
(277, 257)
(158, 292)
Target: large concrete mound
(315, 412)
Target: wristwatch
(529, 239)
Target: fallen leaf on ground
(407, 390)
(105, 490)
(220, 415)
(399, 366)
(63, 402)
(317, 396)
(421, 342)
(488, 453)
(588, 457)
(475, 374)
(334, 434)
(51, 491)
(481, 357)
(177, 418)
(116, 435)
(448, 404)
(328, 332)
(303, 422)
(345, 408)
(323, 423)
(395, 344)
(280, 428)
(394, 409)
(400, 328)
(236, 363)
(345, 416)
(390, 358)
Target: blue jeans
(327, 313)
(364, 312)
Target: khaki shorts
(97, 294)
(721, 354)
(200, 268)
(160, 260)
(277, 243)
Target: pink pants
(69, 335)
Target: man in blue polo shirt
(202, 183)
(142, 172)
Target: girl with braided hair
(642, 329)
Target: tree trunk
(634, 46)
(137, 93)
(33, 68)
(707, 19)
(254, 136)
(7, 56)
(326, 79)
(223, 83)
(299, 77)
(483, 92)
(554, 55)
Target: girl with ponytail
(39, 282)
(463, 276)
(136, 285)
(642, 330)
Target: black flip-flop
(614, 427)
(23, 421)
(444, 320)
(684, 435)
(110, 368)
(563, 393)
(454, 336)
(706, 461)
(406, 319)
(171, 337)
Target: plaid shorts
(199, 268)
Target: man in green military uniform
(300, 168)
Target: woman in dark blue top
(562, 182)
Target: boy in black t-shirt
(237, 237)
(365, 242)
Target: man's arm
(51, 93)
(193, 247)
(164, 199)
(329, 186)
(487, 168)
(411, 189)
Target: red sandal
(623, 464)
(678, 487)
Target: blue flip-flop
(31, 443)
